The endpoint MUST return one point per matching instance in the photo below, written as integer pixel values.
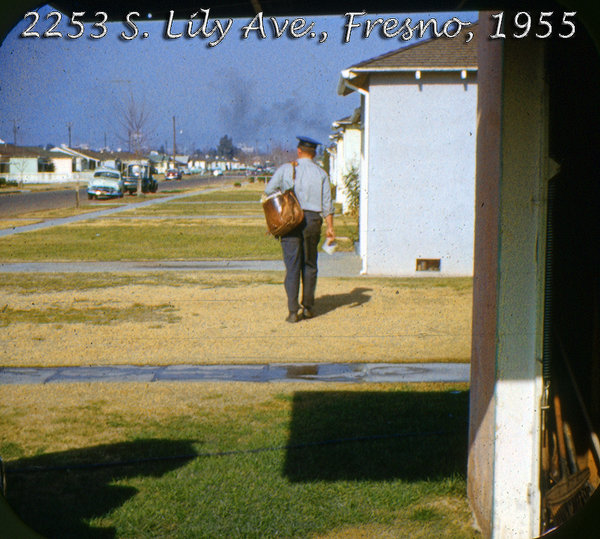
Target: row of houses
(412, 142)
(28, 164)
(34, 165)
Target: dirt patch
(357, 320)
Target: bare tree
(133, 117)
(20, 164)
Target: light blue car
(106, 183)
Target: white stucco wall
(337, 169)
(63, 165)
(421, 173)
(22, 166)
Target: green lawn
(122, 237)
(143, 240)
(235, 194)
(199, 208)
(239, 460)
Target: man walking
(299, 247)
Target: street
(17, 203)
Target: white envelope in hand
(329, 248)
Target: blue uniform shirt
(311, 186)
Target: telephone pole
(15, 129)
(174, 144)
(69, 128)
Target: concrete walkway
(339, 264)
(283, 372)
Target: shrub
(237, 184)
(251, 179)
(352, 183)
(261, 179)
(8, 183)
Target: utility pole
(77, 192)
(15, 129)
(77, 182)
(174, 143)
(69, 125)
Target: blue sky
(258, 91)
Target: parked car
(105, 183)
(173, 174)
(217, 172)
(139, 170)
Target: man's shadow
(56, 494)
(330, 302)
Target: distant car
(136, 171)
(173, 174)
(217, 172)
(105, 183)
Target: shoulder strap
(294, 165)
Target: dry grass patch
(54, 417)
(60, 213)
(14, 223)
(237, 318)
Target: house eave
(350, 81)
(355, 78)
(410, 69)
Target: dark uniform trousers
(300, 259)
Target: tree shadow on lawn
(330, 302)
(375, 435)
(56, 493)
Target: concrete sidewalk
(339, 264)
(282, 372)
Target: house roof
(353, 119)
(10, 150)
(435, 54)
(98, 155)
(123, 156)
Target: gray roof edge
(411, 69)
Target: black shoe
(292, 318)
(307, 313)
